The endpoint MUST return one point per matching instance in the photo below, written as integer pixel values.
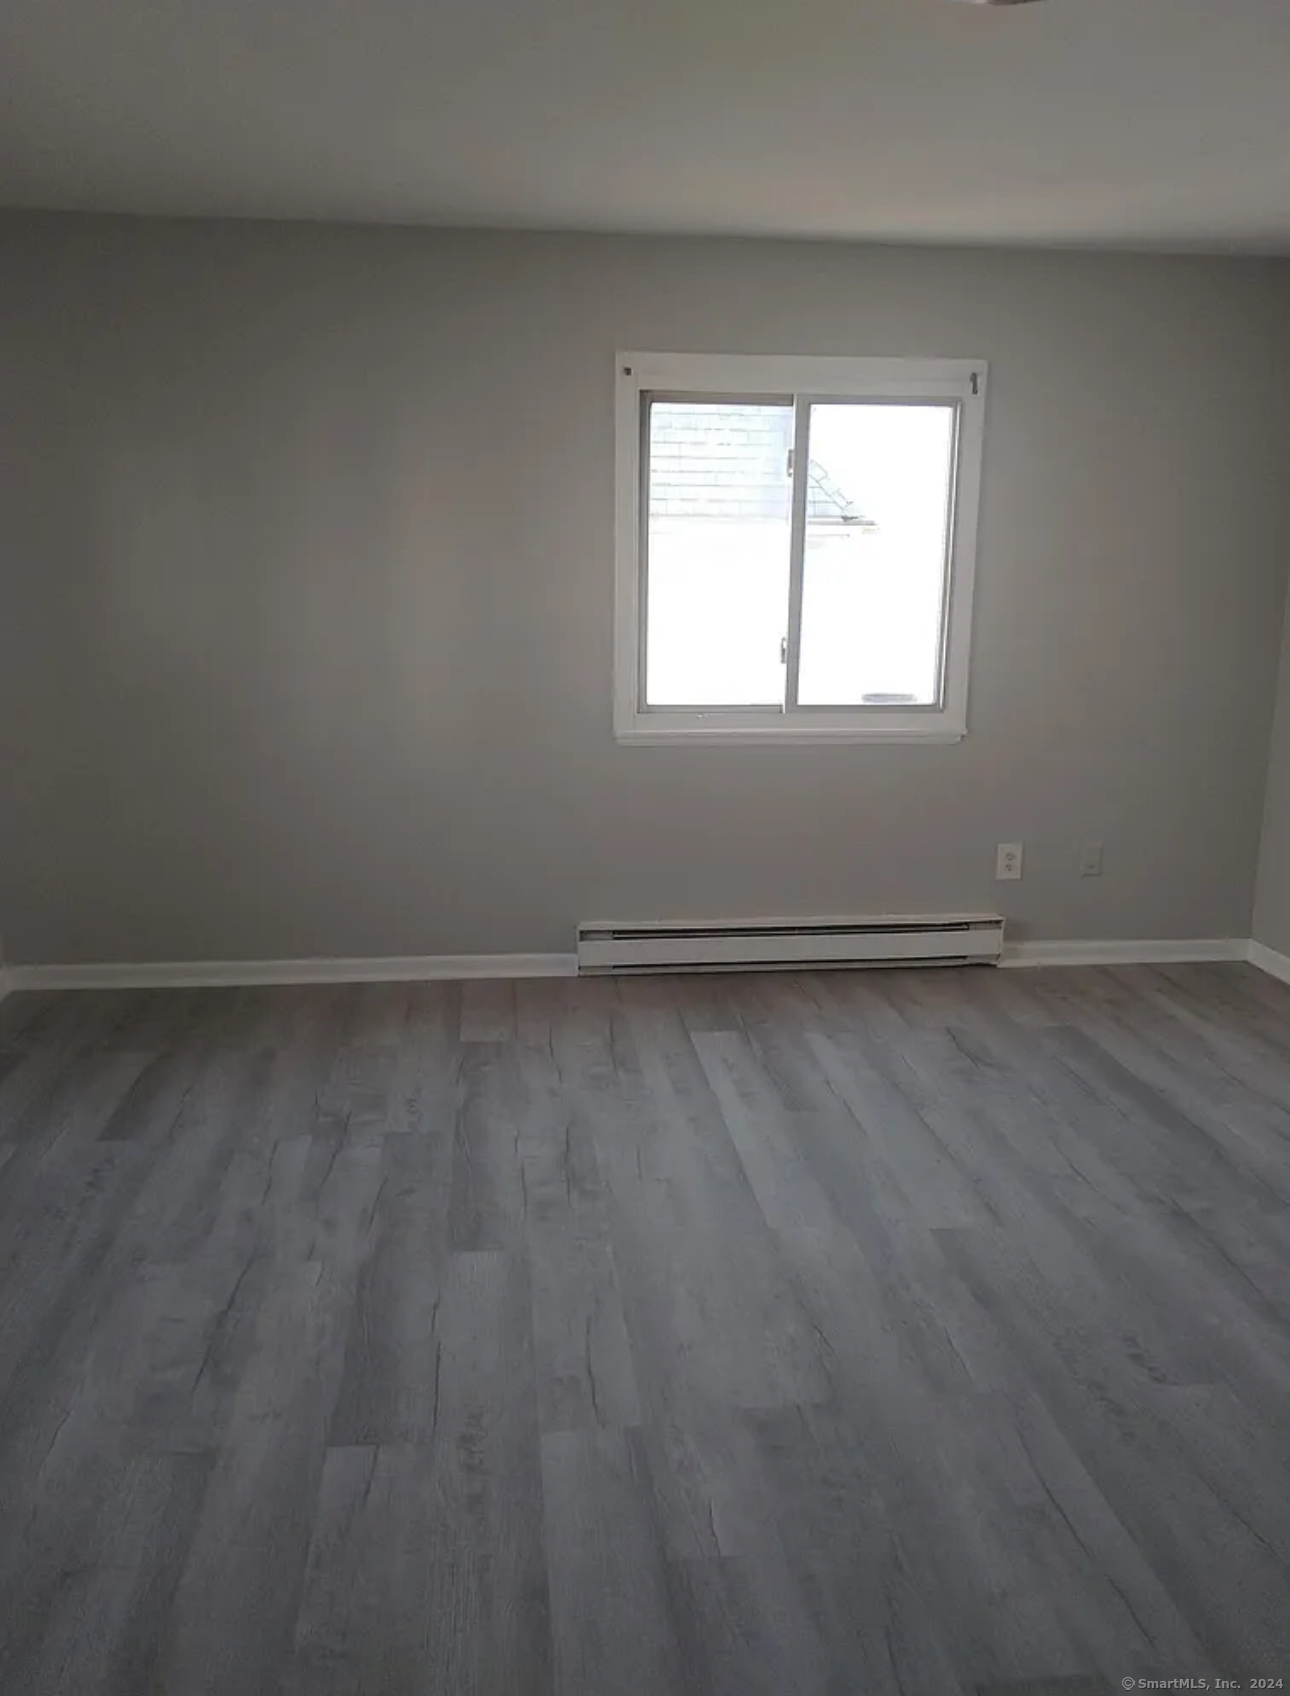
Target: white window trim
(962, 381)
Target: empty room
(644, 848)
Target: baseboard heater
(953, 939)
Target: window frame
(801, 380)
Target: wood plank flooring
(778, 1335)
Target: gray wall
(306, 537)
(1272, 905)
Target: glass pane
(873, 578)
(719, 519)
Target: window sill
(647, 732)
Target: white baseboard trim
(1269, 961)
(1148, 953)
(429, 968)
(210, 974)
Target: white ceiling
(1128, 122)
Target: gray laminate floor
(743, 1336)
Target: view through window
(865, 561)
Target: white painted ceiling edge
(1129, 123)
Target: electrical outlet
(1090, 860)
(1007, 862)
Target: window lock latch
(783, 650)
